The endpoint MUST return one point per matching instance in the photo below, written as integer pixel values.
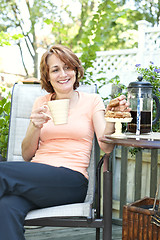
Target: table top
(151, 141)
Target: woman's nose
(63, 72)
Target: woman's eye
(67, 68)
(55, 70)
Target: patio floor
(49, 233)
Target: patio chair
(85, 214)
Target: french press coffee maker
(141, 103)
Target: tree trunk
(25, 69)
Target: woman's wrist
(35, 125)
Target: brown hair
(65, 55)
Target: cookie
(113, 103)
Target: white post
(142, 25)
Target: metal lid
(140, 84)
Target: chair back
(23, 97)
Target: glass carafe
(141, 103)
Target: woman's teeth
(63, 81)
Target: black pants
(26, 185)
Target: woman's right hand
(38, 116)
(31, 141)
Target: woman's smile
(63, 81)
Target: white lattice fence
(148, 44)
(152, 39)
(114, 62)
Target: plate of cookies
(118, 117)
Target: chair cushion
(69, 210)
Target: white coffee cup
(59, 110)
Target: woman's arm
(106, 128)
(103, 128)
(31, 140)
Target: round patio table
(151, 141)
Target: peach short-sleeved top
(69, 145)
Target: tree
(70, 32)
(110, 27)
(6, 38)
(87, 9)
(149, 9)
(104, 31)
(24, 17)
(27, 17)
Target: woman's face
(61, 77)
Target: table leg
(107, 205)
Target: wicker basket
(137, 221)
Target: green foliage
(150, 10)
(103, 33)
(152, 75)
(6, 38)
(134, 150)
(111, 27)
(92, 40)
(13, 19)
(17, 36)
(40, 9)
(5, 105)
(120, 88)
(62, 32)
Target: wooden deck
(49, 233)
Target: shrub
(152, 75)
(5, 105)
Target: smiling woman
(56, 156)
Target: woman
(56, 156)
